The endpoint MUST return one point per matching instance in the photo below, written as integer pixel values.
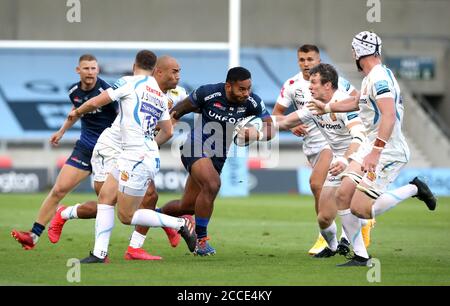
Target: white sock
(390, 199)
(137, 240)
(35, 237)
(343, 235)
(150, 218)
(104, 224)
(70, 212)
(329, 234)
(352, 227)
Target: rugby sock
(137, 240)
(104, 223)
(70, 212)
(352, 227)
(150, 218)
(390, 199)
(201, 227)
(329, 234)
(36, 231)
(343, 235)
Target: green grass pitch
(260, 240)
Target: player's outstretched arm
(182, 108)
(56, 137)
(299, 130)
(165, 132)
(347, 105)
(285, 123)
(91, 105)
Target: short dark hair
(238, 74)
(308, 48)
(145, 59)
(327, 74)
(87, 57)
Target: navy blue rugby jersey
(213, 131)
(93, 123)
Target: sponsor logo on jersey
(124, 176)
(218, 117)
(329, 126)
(219, 105)
(241, 109)
(344, 83)
(299, 95)
(174, 92)
(213, 95)
(153, 91)
(255, 104)
(371, 176)
(150, 98)
(382, 87)
(119, 83)
(351, 116)
(150, 109)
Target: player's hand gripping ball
(247, 131)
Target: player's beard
(237, 99)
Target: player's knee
(106, 198)
(357, 211)
(342, 197)
(316, 187)
(59, 191)
(211, 187)
(324, 220)
(125, 217)
(150, 200)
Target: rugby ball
(251, 121)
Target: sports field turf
(261, 240)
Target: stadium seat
(5, 162)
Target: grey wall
(330, 23)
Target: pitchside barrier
(255, 181)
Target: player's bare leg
(185, 206)
(208, 180)
(135, 250)
(325, 218)
(68, 178)
(129, 200)
(316, 181)
(86, 210)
